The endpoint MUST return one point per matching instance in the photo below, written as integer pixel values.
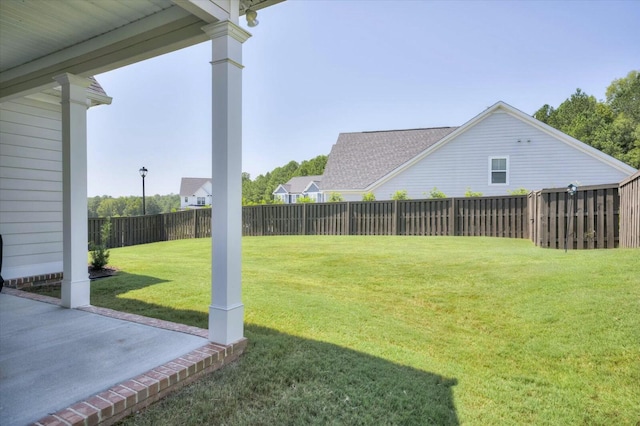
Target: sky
(315, 69)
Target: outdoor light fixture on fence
(571, 190)
(143, 172)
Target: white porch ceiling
(40, 39)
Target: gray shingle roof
(359, 159)
(299, 183)
(189, 186)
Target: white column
(75, 281)
(226, 313)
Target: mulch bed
(94, 274)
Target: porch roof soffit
(91, 38)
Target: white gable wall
(187, 201)
(538, 161)
(30, 188)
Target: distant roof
(298, 184)
(189, 185)
(359, 159)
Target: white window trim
(498, 157)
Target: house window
(201, 201)
(294, 198)
(186, 199)
(498, 170)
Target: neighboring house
(500, 150)
(299, 186)
(195, 192)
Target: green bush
(400, 194)
(335, 197)
(436, 193)
(99, 252)
(369, 196)
(304, 200)
(470, 193)
(519, 191)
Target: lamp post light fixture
(143, 172)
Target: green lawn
(402, 330)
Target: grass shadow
(284, 379)
(287, 380)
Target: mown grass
(402, 330)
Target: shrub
(99, 252)
(436, 193)
(335, 197)
(304, 200)
(400, 194)
(369, 196)
(470, 193)
(519, 191)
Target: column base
(226, 324)
(75, 294)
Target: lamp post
(143, 172)
(571, 190)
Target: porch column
(75, 281)
(226, 312)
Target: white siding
(192, 200)
(538, 161)
(30, 188)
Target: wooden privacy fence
(129, 231)
(484, 216)
(601, 216)
(589, 219)
(630, 211)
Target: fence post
(453, 219)
(347, 224)
(394, 218)
(304, 218)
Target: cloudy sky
(314, 69)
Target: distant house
(195, 192)
(300, 186)
(500, 150)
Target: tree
(312, 167)
(110, 207)
(623, 95)
(612, 126)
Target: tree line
(260, 190)
(108, 206)
(611, 125)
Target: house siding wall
(30, 188)
(204, 191)
(543, 162)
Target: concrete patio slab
(52, 358)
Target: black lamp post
(571, 190)
(143, 172)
